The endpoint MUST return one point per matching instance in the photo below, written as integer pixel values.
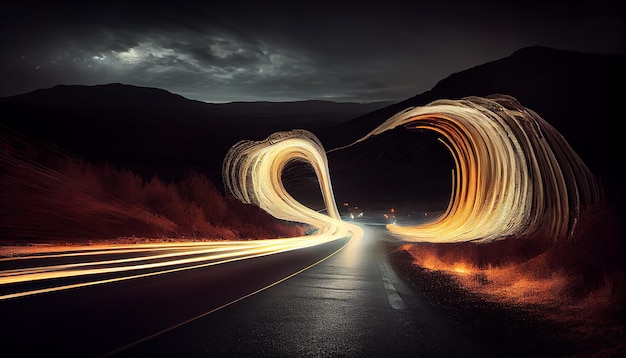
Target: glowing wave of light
(515, 174)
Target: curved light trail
(253, 170)
(515, 174)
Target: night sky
(283, 51)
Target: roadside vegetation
(49, 195)
(578, 284)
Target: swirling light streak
(252, 173)
(514, 175)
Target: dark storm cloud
(359, 51)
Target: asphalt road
(351, 305)
(91, 321)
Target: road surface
(349, 304)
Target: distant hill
(580, 94)
(152, 131)
(122, 96)
(115, 95)
(155, 132)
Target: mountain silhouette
(114, 95)
(561, 86)
(155, 132)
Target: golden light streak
(515, 174)
(145, 260)
(253, 170)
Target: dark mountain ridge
(155, 132)
(114, 95)
(118, 95)
(554, 83)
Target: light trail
(252, 172)
(35, 274)
(515, 174)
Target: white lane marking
(395, 301)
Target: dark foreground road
(350, 305)
(92, 321)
